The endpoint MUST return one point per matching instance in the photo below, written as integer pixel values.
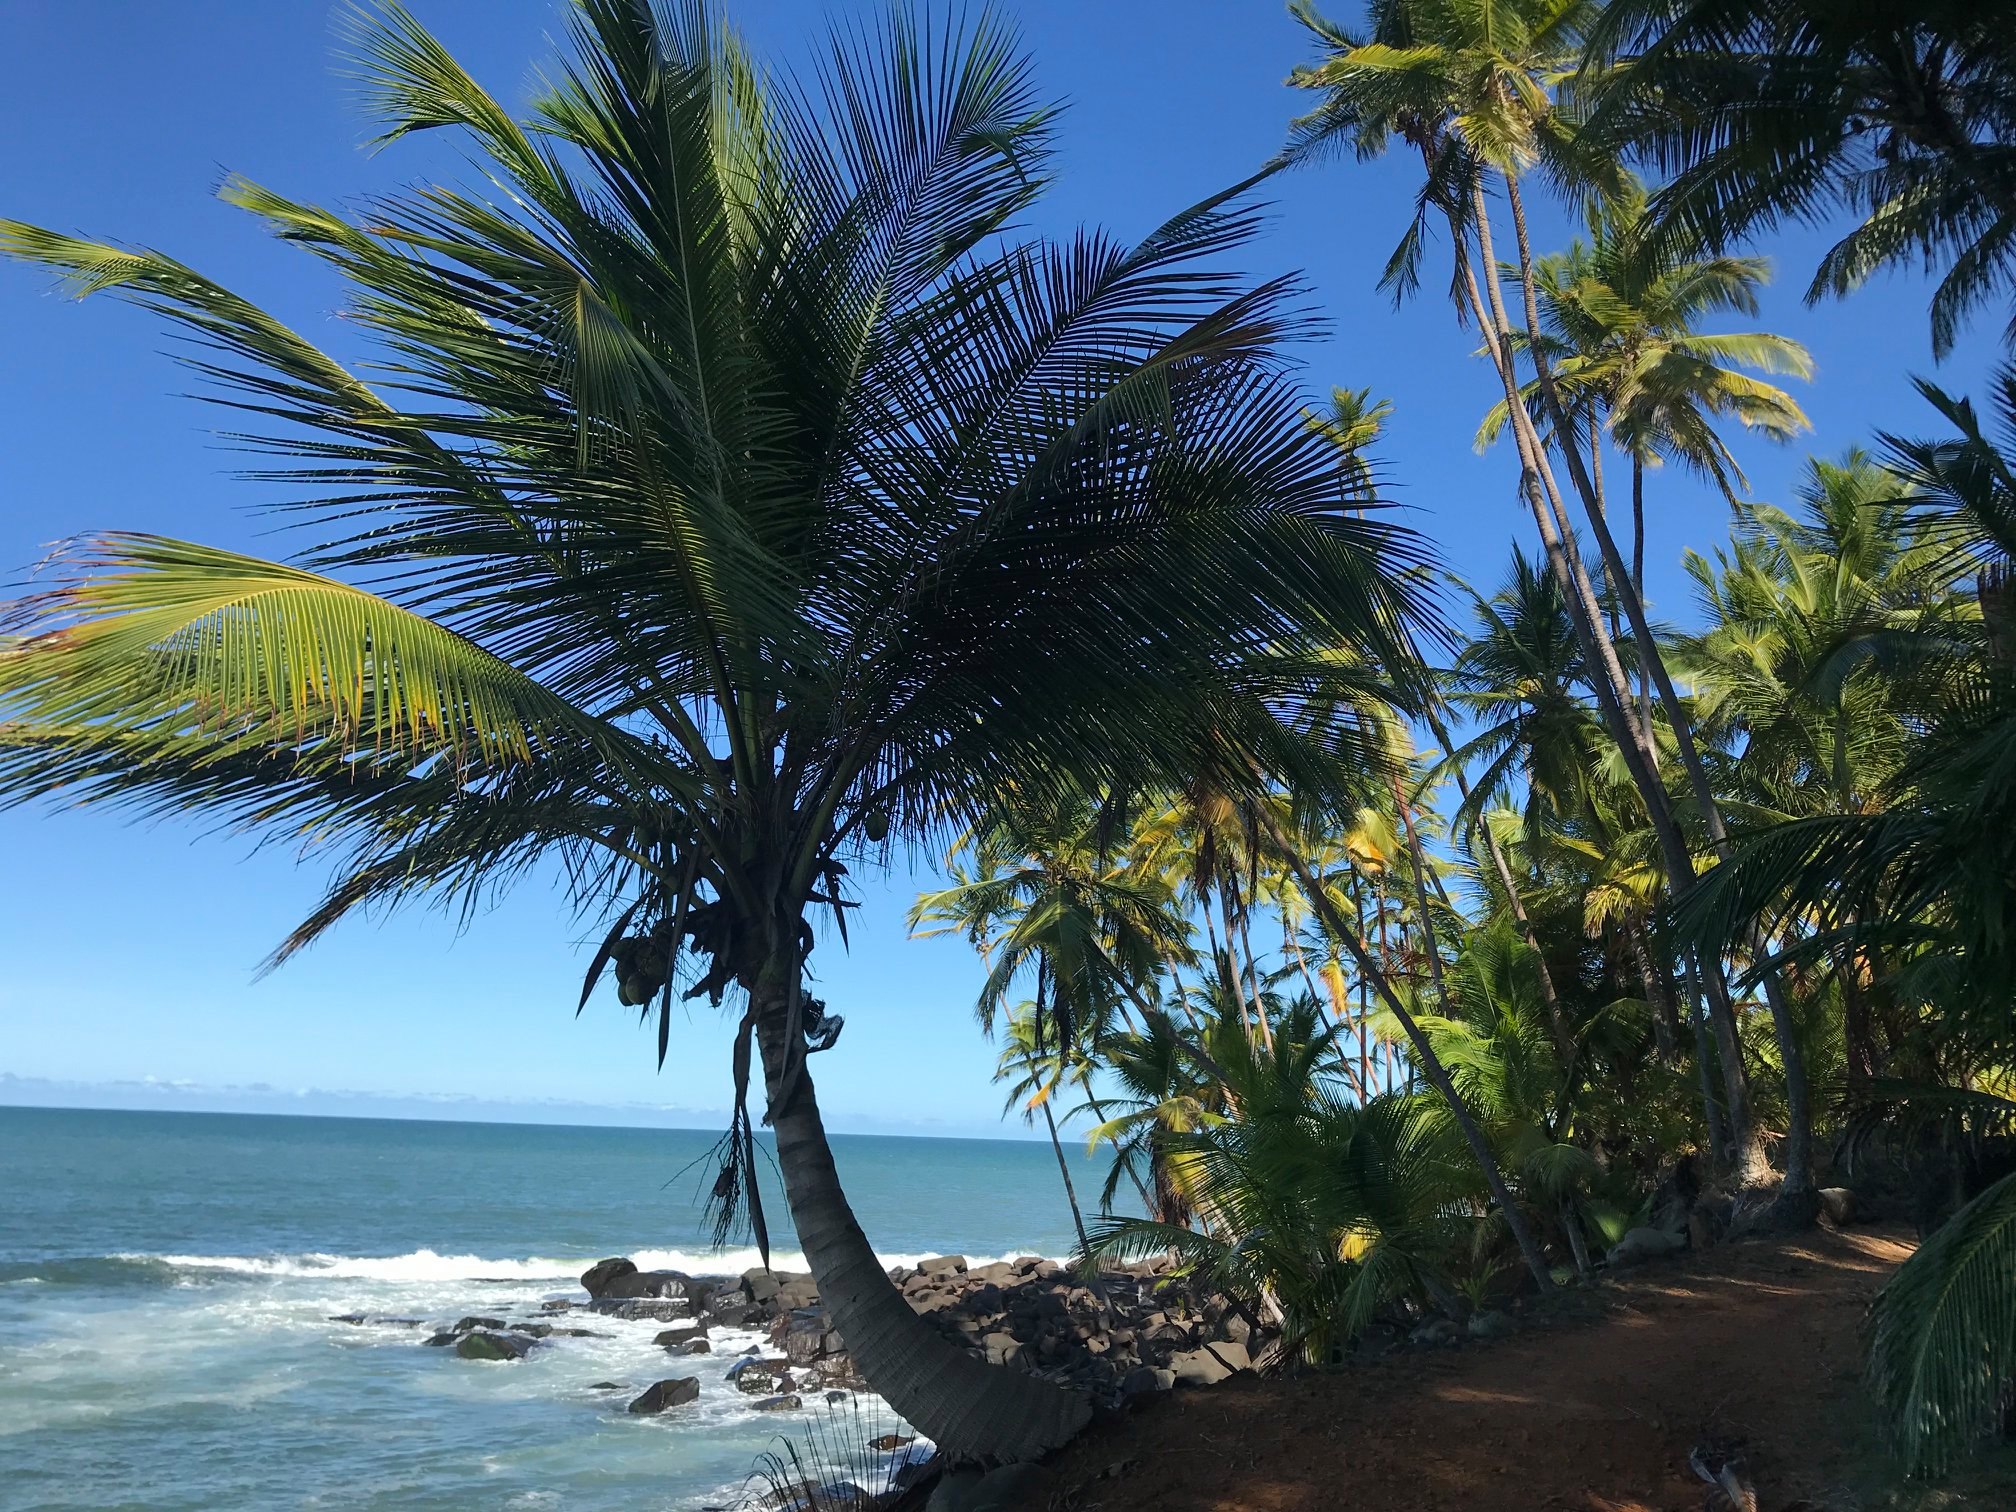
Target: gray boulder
(1491, 1324)
(1435, 1331)
(786, 1403)
(673, 1338)
(1209, 1365)
(942, 1266)
(1837, 1205)
(673, 1393)
(1642, 1244)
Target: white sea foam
(427, 1266)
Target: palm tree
(1811, 619)
(1325, 1209)
(1037, 1067)
(1520, 678)
(1474, 89)
(1899, 112)
(1041, 896)
(731, 496)
(1623, 311)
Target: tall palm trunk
(1658, 990)
(1070, 1190)
(1426, 1060)
(970, 1409)
(1638, 571)
(1798, 1183)
(1718, 1127)
(1606, 679)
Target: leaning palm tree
(732, 494)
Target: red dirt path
(1590, 1413)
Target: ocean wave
(426, 1265)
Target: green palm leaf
(1942, 1335)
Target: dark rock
(759, 1376)
(672, 1393)
(492, 1346)
(1837, 1206)
(889, 1443)
(539, 1330)
(694, 1347)
(645, 1284)
(795, 1294)
(786, 1403)
(607, 1386)
(667, 1311)
(595, 1280)
(1491, 1324)
(442, 1339)
(986, 1297)
(558, 1304)
(672, 1338)
(1144, 1379)
(759, 1285)
(838, 1370)
(1436, 1331)
(468, 1325)
(354, 1319)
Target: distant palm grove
(736, 493)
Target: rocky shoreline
(1141, 1330)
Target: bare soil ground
(1592, 1407)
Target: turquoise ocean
(168, 1283)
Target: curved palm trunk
(1798, 1182)
(971, 1410)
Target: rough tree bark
(971, 1410)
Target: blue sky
(128, 953)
